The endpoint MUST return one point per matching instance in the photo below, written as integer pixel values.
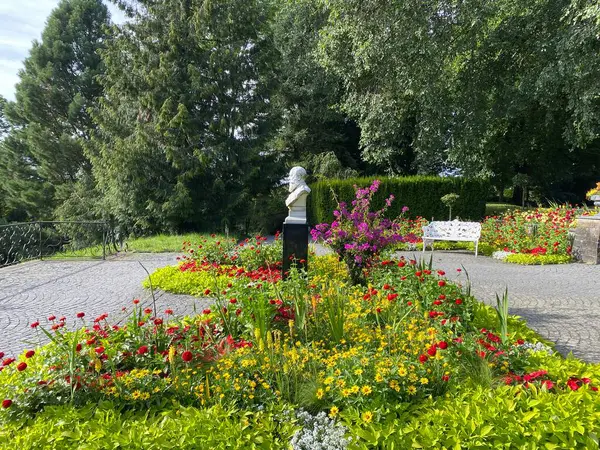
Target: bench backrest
(454, 228)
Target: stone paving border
(34, 290)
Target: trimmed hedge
(421, 194)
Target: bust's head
(296, 178)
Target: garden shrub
(104, 426)
(422, 195)
(529, 259)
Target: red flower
(80, 315)
(99, 350)
(431, 351)
(168, 311)
(136, 301)
(34, 324)
(445, 377)
(1, 355)
(207, 292)
(392, 297)
(437, 302)
(206, 311)
(423, 358)
(148, 311)
(21, 366)
(187, 356)
(573, 385)
(458, 301)
(386, 286)
(52, 317)
(443, 345)
(441, 283)
(142, 350)
(78, 348)
(158, 321)
(29, 353)
(233, 301)
(441, 273)
(6, 403)
(8, 361)
(401, 264)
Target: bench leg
(476, 248)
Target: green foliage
(529, 259)
(171, 279)
(41, 159)
(172, 426)
(183, 127)
(420, 193)
(483, 419)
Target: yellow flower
(412, 390)
(171, 355)
(358, 372)
(424, 380)
(367, 416)
(402, 371)
(333, 411)
(346, 392)
(320, 393)
(366, 390)
(379, 378)
(354, 389)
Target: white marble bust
(296, 201)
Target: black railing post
(40, 237)
(104, 236)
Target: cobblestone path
(34, 290)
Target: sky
(22, 21)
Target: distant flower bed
(541, 234)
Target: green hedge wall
(420, 193)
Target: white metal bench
(451, 231)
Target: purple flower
(404, 209)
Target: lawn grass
(496, 209)
(162, 243)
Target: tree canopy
(190, 113)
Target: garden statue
(295, 226)
(296, 201)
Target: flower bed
(397, 361)
(539, 236)
(357, 353)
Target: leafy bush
(171, 426)
(532, 259)
(422, 194)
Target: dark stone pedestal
(586, 246)
(295, 246)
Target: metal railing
(42, 239)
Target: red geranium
(6, 403)
(22, 366)
(29, 353)
(187, 356)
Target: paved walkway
(561, 302)
(35, 290)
